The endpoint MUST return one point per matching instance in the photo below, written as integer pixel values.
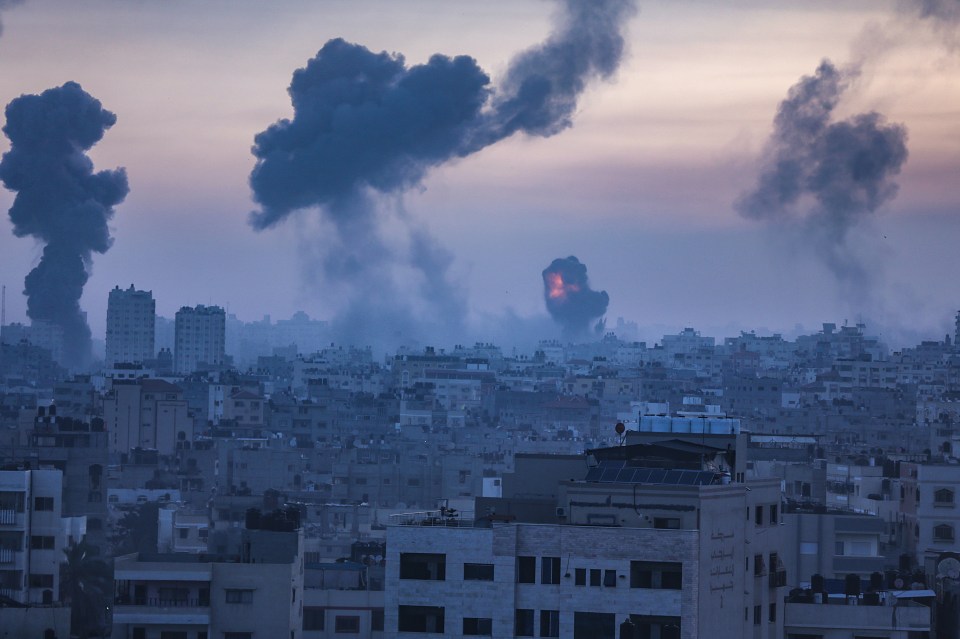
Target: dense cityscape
(245, 480)
(420, 437)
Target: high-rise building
(131, 317)
(200, 339)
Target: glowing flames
(558, 289)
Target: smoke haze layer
(60, 201)
(569, 299)
(825, 177)
(366, 125)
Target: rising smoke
(827, 175)
(60, 201)
(570, 301)
(366, 124)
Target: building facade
(200, 336)
(131, 326)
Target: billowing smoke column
(569, 298)
(829, 175)
(365, 123)
(60, 201)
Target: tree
(87, 584)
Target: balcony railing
(7, 555)
(8, 517)
(157, 602)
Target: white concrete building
(131, 326)
(200, 339)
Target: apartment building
(131, 326)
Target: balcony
(147, 611)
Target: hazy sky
(641, 189)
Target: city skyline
(642, 188)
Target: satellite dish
(948, 566)
(619, 428)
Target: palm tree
(87, 583)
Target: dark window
(759, 569)
(523, 623)
(43, 503)
(173, 634)
(238, 635)
(427, 566)
(420, 619)
(477, 626)
(594, 625)
(549, 623)
(478, 572)
(42, 542)
(941, 497)
(651, 626)
(774, 515)
(550, 570)
(313, 618)
(376, 619)
(526, 570)
(656, 574)
(347, 624)
(758, 515)
(757, 615)
(943, 532)
(670, 523)
(772, 617)
(595, 574)
(239, 595)
(580, 577)
(41, 581)
(610, 578)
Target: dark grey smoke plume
(365, 123)
(829, 175)
(569, 298)
(60, 201)
(939, 10)
(4, 5)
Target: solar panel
(616, 471)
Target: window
(610, 578)
(347, 624)
(43, 503)
(656, 574)
(550, 570)
(594, 576)
(426, 566)
(477, 626)
(313, 618)
(41, 581)
(526, 570)
(757, 614)
(420, 619)
(376, 619)
(238, 635)
(183, 532)
(478, 572)
(173, 634)
(758, 515)
(523, 623)
(774, 515)
(943, 532)
(549, 623)
(41, 542)
(772, 617)
(239, 595)
(594, 625)
(759, 569)
(580, 577)
(651, 626)
(943, 497)
(669, 523)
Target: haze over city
(660, 185)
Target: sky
(643, 187)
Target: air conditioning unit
(561, 513)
